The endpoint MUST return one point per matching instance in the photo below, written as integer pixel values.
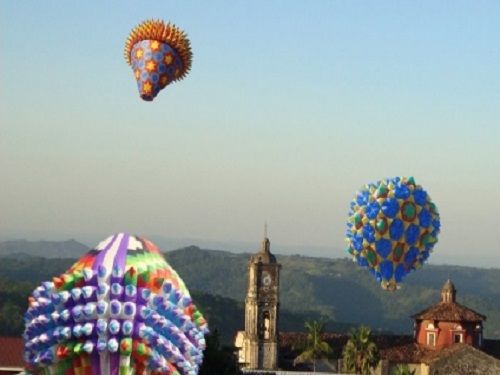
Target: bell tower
(262, 310)
(448, 292)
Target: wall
(444, 333)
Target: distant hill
(342, 291)
(223, 314)
(46, 249)
(334, 288)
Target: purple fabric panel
(95, 363)
(100, 257)
(114, 363)
(121, 256)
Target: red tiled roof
(405, 353)
(11, 352)
(449, 311)
(291, 342)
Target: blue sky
(289, 108)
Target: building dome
(448, 292)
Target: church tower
(260, 344)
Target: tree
(360, 353)
(315, 347)
(11, 319)
(403, 370)
(218, 360)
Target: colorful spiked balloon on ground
(119, 310)
(159, 53)
(393, 226)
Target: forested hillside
(336, 289)
(341, 290)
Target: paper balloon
(119, 310)
(159, 53)
(393, 226)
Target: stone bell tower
(260, 344)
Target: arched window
(479, 335)
(431, 338)
(458, 334)
(458, 337)
(431, 334)
(267, 325)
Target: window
(458, 337)
(479, 334)
(267, 326)
(431, 338)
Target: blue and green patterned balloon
(392, 228)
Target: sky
(290, 108)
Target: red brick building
(11, 355)
(448, 322)
(448, 338)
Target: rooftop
(449, 311)
(11, 352)
(395, 348)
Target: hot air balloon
(392, 228)
(120, 309)
(159, 54)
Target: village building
(444, 333)
(448, 322)
(447, 338)
(11, 355)
(258, 344)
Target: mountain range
(46, 249)
(335, 290)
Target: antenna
(265, 229)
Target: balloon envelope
(393, 226)
(120, 309)
(159, 53)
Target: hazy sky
(289, 108)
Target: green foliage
(360, 354)
(403, 370)
(315, 288)
(11, 322)
(32, 269)
(223, 314)
(328, 288)
(13, 303)
(217, 359)
(315, 347)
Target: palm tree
(403, 370)
(315, 347)
(360, 354)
